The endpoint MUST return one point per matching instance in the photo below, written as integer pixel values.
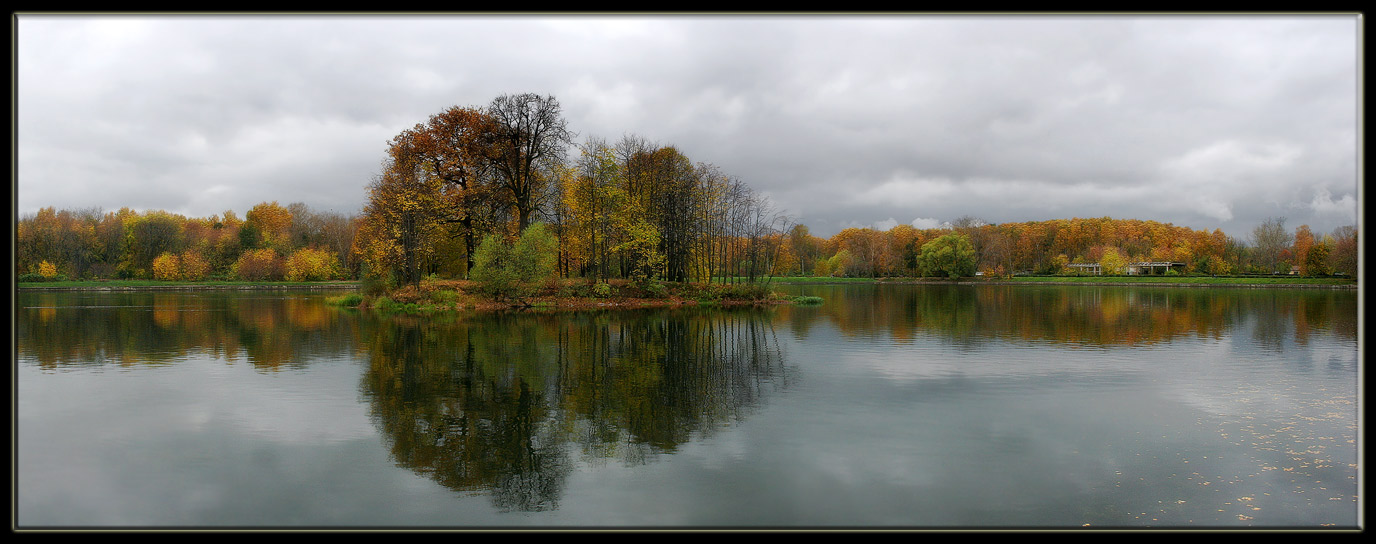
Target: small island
(435, 295)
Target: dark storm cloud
(1209, 122)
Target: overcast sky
(1206, 122)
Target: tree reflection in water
(504, 403)
(969, 315)
(509, 404)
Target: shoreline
(779, 282)
(1125, 283)
(1133, 284)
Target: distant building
(1144, 268)
(1087, 268)
(1149, 268)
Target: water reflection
(512, 406)
(506, 403)
(268, 330)
(1076, 315)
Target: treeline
(272, 242)
(469, 182)
(275, 242)
(1048, 247)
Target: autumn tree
(1304, 239)
(973, 229)
(270, 223)
(530, 129)
(403, 219)
(47, 270)
(459, 147)
(263, 264)
(868, 249)
(1343, 255)
(805, 247)
(663, 184)
(151, 235)
(997, 257)
(194, 266)
(310, 264)
(1269, 239)
(595, 198)
(1112, 262)
(1316, 261)
(167, 267)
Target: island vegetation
(496, 206)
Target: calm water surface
(886, 406)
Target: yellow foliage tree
(272, 221)
(311, 264)
(47, 270)
(1112, 262)
(167, 267)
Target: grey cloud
(1210, 122)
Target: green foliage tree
(837, 265)
(515, 271)
(640, 250)
(152, 235)
(952, 256)
(534, 258)
(490, 268)
(822, 268)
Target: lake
(887, 406)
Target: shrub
(349, 301)
(654, 288)
(515, 271)
(407, 294)
(742, 291)
(534, 258)
(194, 266)
(167, 267)
(258, 265)
(491, 268)
(444, 296)
(47, 270)
(374, 285)
(384, 304)
(807, 300)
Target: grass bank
(1205, 280)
